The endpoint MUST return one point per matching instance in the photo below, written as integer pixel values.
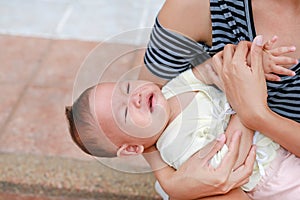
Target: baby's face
(131, 110)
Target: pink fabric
(282, 179)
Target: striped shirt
(169, 53)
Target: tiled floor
(52, 49)
(38, 76)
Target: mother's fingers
(228, 53)
(217, 60)
(256, 54)
(241, 52)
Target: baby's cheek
(140, 120)
(147, 124)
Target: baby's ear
(130, 150)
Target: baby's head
(118, 119)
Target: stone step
(65, 178)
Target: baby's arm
(246, 138)
(244, 149)
(206, 74)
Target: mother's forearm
(171, 182)
(284, 131)
(236, 194)
(196, 178)
(176, 184)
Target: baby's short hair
(84, 128)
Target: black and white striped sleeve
(169, 53)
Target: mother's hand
(244, 85)
(198, 178)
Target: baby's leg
(282, 179)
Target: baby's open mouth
(150, 102)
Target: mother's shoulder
(187, 17)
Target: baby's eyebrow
(128, 87)
(126, 110)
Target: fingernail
(293, 48)
(258, 40)
(275, 37)
(221, 137)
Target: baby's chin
(152, 130)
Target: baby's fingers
(272, 77)
(269, 44)
(282, 50)
(282, 71)
(285, 61)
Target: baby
(125, 118)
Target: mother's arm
(248, 95)
(282, 130)
(197, 179)
(177, 16)
(236, 194)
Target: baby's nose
(136, 99)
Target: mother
(213, 24)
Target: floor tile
(107, 62)
(39, 126)
(8, 100)
(59, 67)
(20, 57)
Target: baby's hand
(274, 61)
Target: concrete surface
(69, 178)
